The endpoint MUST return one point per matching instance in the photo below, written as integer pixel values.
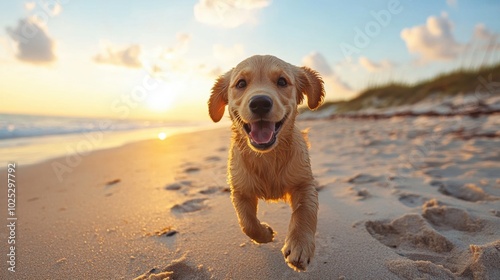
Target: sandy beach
(400, 198)
(115, 129)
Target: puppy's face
(262, 94)
(261, 98)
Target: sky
(159, 59)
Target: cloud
(373, 66)
(485, 39)
(29, 6)
(228, 13)
(317, 62)
(51, 8)
(211, 72)
(223, 58)
(183, 38)
(166, 60)
(33, 43)
(128, 56)
(433, 40)
(452, 3)
(180, 47)
(55, 10)
(334, 86)
(482, 33)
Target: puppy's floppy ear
(309, 83)
(218, 99)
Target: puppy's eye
(282, 82)
(241, 84)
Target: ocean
(29, 139)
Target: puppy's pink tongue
(261, 132)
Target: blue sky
(87, 56)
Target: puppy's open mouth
(262, 134)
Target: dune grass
(461, 81)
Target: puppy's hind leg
(246, 209)
(300, 240)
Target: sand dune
(400, 198)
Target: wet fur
(282, 172)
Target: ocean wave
(20, 126)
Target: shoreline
(48, 147)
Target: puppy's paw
(298, 251)
(267, 234)
(263, 234)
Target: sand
(400, 198)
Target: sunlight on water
(30, 139)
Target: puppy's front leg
(246, 209)
(300, 241)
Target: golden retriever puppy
(268, 158)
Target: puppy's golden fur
(268, 158)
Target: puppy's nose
(260, 104)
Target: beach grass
(459, 82)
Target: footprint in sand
(212, 158)
(166, 231)
(460, 190)
(361, 194)
(495, 213)
(484, 261)
(178, 185)
(113, 182)
(192, 170)
(180, 268)
(411, 237)
(445, 172)
(444, 217)
(191, 205)
(408, 269)
(210, 190)
(412, 200)
(189, 167)
(365, 178)
(408, 234)
(430, 254)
